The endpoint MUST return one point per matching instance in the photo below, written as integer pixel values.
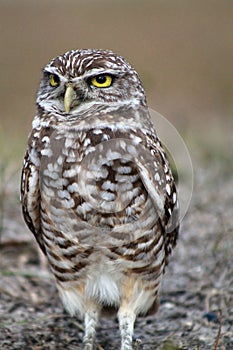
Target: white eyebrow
(97, 71)
(52, 70)
(87, 74)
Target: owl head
(81, 78)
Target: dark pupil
(56, 78)
(101, 79)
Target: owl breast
(95, 210)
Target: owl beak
(68, 98)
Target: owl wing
(30, 199)
(161, 187)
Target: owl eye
(54, 80)
(102, 81)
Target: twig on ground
(99, 347)
(219, 331)
(27, 274)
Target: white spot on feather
(174, 197)
(73, 187)
(168, 189)
(157, 177)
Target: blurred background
(181, 49)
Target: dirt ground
(196, 296)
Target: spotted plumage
(97, 189)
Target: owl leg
(91, 319)
(126, 317)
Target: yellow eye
(54, 80)
(102, 81)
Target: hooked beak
(69, 98)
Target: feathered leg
(126, 319)
(91, 320)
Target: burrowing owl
(97, 189)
